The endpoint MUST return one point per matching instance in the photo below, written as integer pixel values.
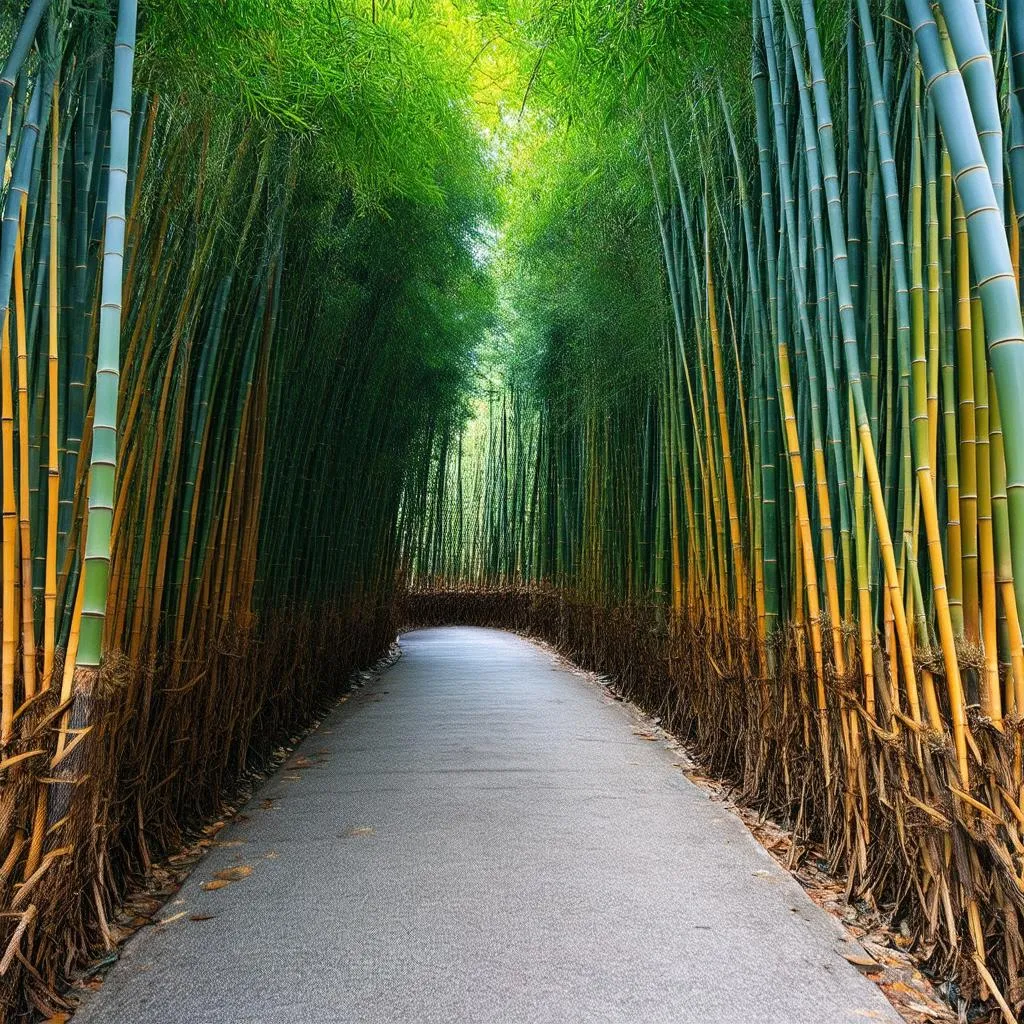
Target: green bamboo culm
(103, 460)
(962, 101)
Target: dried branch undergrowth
(170, 746)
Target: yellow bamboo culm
(52, 406)
(70, 657)
(731, 497)
(10, 539)
(806, 543)
(28, 632)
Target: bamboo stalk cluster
(817, 497)
(222, 343)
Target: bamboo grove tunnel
(684, 336)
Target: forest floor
(482, 835)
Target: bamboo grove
(234, 296)
(753, 438)
(685, 335)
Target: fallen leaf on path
(58, 1018)
(861, 960)
(174, 917)
(217, 883)
(202, 917)
(361, 830)
(268, 804)
(233, 874)
(301, 762)
(645, 735)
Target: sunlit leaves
(579, 268)
(385, 93)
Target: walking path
(480, 837)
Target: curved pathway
(481, 837)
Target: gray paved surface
(483, 838)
